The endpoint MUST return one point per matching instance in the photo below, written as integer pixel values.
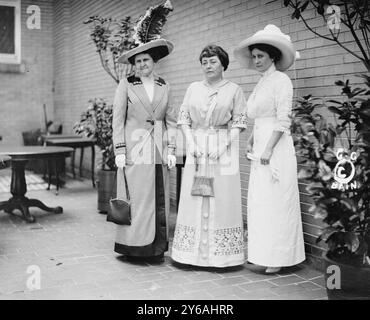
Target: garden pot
(106, 185)
(354, 281)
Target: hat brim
(161, 47)
(244, 55)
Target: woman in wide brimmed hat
(275, 237)
(141, 117)
(209, 226)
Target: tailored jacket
(146, 133)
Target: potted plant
(338, 178)
(111, 38)
(96, 122)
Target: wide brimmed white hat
(273, 36)
(160, 48)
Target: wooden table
(18, 188)
(74, 142)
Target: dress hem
(287, 264)
(231, 263)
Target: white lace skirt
(209, 230)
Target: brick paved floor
(74, 252)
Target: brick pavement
(74, 252)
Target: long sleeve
(119, 115)
(171, 125)
(184, 114)
(283, 99)
(239, 112)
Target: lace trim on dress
(184, 118)
(240, 121)
(229, 241)
(184, 238)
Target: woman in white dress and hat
(144, 130)
(275, 236)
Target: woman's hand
(171, 161)
(120, 161)
(195, 150)
(266, 156)
(216, 151)
(248, 149)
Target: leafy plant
(344, 208)
(111, 38)
(338, 16)
(96, 122)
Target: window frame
(14, 58)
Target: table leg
(73, 163)
(56, 176)
(18, 189)
(49, 173)
(93, 165)
(5, 205)
(81, 160)
(42, 206)
(19, 204)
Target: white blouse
(204, 106)
(272, 97)
(148, 83)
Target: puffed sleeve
(119, 115)
(283, 99)
(184, 114)
(171, 124)
(239, 111)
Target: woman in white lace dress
(275, 237)
(209, 230)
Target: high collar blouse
(148, 83)
(272, 97)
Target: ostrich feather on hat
(147, 34)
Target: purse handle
(125, 178)
(207, 173)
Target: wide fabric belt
(211, 127)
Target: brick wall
(24, 91)
(192, 25)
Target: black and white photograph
(185, 154)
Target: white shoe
(271, 270)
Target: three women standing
(209, 228)
(275, 237)
(141, 118)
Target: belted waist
(210, 128)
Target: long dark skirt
(160, 242)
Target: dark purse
(120, 209)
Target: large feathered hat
(147, 34)
(273, 36)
